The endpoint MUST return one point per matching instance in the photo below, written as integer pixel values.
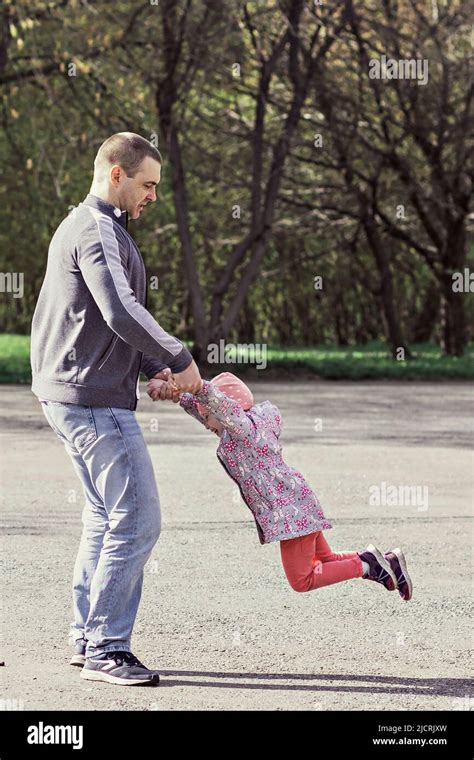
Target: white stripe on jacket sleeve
(104, 275)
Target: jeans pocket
(86, 432)
(72, 423)
(45, 406)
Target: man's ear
(115, 175)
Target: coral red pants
(310, 563)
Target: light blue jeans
(121, 519)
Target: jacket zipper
(108, 352)
(259, 529)
(146, 298)
(141, 352)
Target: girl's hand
(163, 390)
(153, 388)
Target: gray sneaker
(121, 668)
(79, 656)
(380, 569)
(399, 566)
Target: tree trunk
(453, 318)
(453, 314)
(390, 318)
(427, 318)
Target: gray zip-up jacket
(91, 333)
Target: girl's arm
(158, 388)
(229, 412)
(189, 403)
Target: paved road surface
(217, 616)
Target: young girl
(284, 507)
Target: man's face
(136, 192)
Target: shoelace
(382, 575)
(128, 657)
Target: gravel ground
(217, 617)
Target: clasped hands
(165, 386)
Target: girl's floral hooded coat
(282, 503)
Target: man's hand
(189, 379)
(161, 386)
(164, 374)
(163, 390)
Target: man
(91, 335)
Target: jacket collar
(107, 208)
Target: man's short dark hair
(127, 150)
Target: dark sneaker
(380, 569)
(399, 566)
(121, 668)
(79, 656)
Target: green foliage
(55, 116)
(364, 362)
